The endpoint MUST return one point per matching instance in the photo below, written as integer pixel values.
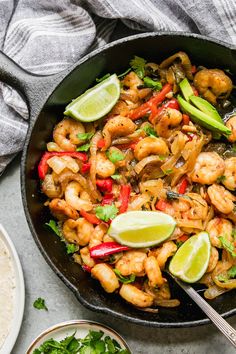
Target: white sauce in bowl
(7, 292)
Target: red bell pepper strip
(186, 119)
(183, 186)
(173, 103)
(183, 238)
(108, 199)
(101, 143)
(150, 104)
(104, 185)
(43, 166)
(124, 197)
(162, 205)
(106, 248)
(85, 167)
(90, 217)
(86, 268)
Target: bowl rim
(19, 294)
(65, 324)
(105, 309)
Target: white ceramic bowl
(81, 327)
(19, 298)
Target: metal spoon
(219, 322)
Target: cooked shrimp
(168, 119)
(106, 276)
(132, 90)
(135, 296)
(66, 133)
(117, 126)
(150, 146)
(213, 84)
(219, 227)
(76, 197)
(97, 235)
(192, 207)
(62, 210)
(153, 272)
(77, 231)
(231, 124)
(86, 258)
(229, 180)
(132, 263)
(214, 257)
(163, 253)
(222, 199)
(208, 167)
(104, 167)
(50, 188)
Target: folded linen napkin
(45, 37)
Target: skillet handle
(33, 88)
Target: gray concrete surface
(41, 281)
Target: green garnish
(162, 158)
(39, 304)
(84, 147)
(179, 243)
(115, 156)
(122, 279)
(106, 212)
(234, 233)
(85, 136)
(124, 73)
(71, 248)
(156, 85)
(220, 179)
(138, 66)
(54, 227)
(149, 130)
(93, 343)
(115, 176)
(227, 245)
(168, 172)
(232, 272)
(103, 78)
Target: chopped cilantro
(168, 172)
(116, 176)
(122, 279)
(39, 304)
(85, 136)
(71, 248)
(234, 233)
(156, 85)
(179, 243)
(124, 73)
(106, 212)
(54, 227)
(162, 158)
(221, 179)
(138, 65)
(149, 130)
(103, 78)
(222, 278)
(84, 147)
(232, 272)
(228, 246)
(115, 156)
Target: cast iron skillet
(46, 98)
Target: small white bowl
(19, 298)
(81, 327)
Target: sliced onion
(139, 201)
(213, 291)
(167, 303)
(141, 164)
(57, 164)
(51, 146)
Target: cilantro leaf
(124, 73)
(85, 136)
(220, 179)
(232, 272)
(54, 227)
(116, 176)
(138, 66)
(84, 147)
(168, 172)
(156, 85)
(71, 248)
(39, 304)
(228, 246)
(122, 279)
(106, 212)
(149, 130)
(103, 78)
(115, 156)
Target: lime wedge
(96, 102)
(191, 260)
(141, 228)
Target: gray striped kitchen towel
(46, 36)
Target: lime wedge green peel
(142, 228)
(191, 260)
(96, 102)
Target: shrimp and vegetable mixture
(131, 184)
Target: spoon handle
(217, 319)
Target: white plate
(19, 298)
(81, 327)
